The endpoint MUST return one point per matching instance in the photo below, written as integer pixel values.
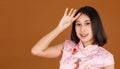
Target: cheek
(89, 28)
(90, 32)
(77, 30)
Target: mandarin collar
(88, 47)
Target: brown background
(24, 22)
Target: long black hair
(97, 27)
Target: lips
(83, 35)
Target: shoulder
(68, 44)
(105, 56)
(104, 52)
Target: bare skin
(42, 48)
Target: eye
(78, 24)
(88, 23)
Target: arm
(42, 47)
(109, 67)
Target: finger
(73, 13)
(77, 16)
(66, 10)
(70, 12)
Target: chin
(85, 40)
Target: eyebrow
(84, 21)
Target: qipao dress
(76, 56)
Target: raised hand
(68, 18)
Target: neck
(87, 43)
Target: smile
(83, 35)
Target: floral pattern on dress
(75, 56)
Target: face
(83, 29)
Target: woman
(84, 50)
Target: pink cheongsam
(76, 56)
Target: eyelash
(78, 24)
(87, 23)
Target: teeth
(83, 35)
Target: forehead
(83, 17)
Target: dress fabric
(76, 56)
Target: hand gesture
(68, 18)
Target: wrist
(58, 28)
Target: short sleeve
(108, 60)
(67, 49)
(102, 58)
(68, 44)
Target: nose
(83, 29)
